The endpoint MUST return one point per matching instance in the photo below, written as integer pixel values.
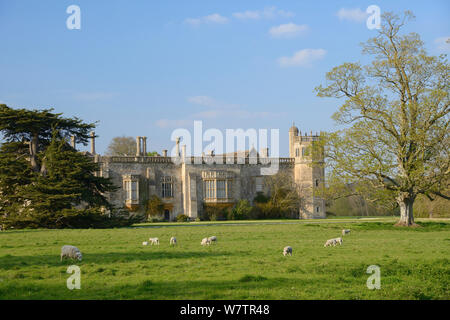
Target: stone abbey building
(185, 183)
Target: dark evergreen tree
(65, 189)
(35, 127)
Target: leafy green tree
(284, 194)
(122, 146)
(396, 136)
(242, 210)
(125, 146)
(155, 207)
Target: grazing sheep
(145, 243)
(287, 251)
(71, 252)
(205, 241)
(330, 242)
(212, 239)
(338, 240)
(173, 241)
(345, 231)
(154, 241)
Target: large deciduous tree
(122, 146)
(125, 146)
(395, 118)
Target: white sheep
(145, 243)
(173, 241)
(345, 231)
(154, 241)
(287, 251)
(205, 241)
(330, 242)
(338, 240)
(71, 252)
(212, 239)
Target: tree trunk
(405, 203)
(33, 152)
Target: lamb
(212, 239)
(154, 241)
(145, 243)
(333, 242)
(338, 240)
(173, 241)
(287, 251)
(345, 231)
(71, 252)
(330, 242)
(205, 241)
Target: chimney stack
(138, 146)
(72, 141)
(183, 152)
(178, 147)
(144, 146)
(93, 142)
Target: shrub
(70, 218)
(182, 218)
(241, 211)
(155, 207)
(261, 198)
(213, 212)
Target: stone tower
(308, 173)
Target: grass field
(246, 263)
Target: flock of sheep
(331, 242)
(173, 241)
(72, 252)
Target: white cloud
(247, 15)
(217, 110)
(202, 100)
(215, 18)
(266, 13)
(193, 21)
(210, 102)
(302, 58)
(443, 44)
(209, 19)
(288, 30)
(167, 123)
(355, 15)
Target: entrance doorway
(167, 215)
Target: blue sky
(148, 67)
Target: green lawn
(246, 263)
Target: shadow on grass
(254, 287)
(145, 289)
(423, 226)
(12, 262)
